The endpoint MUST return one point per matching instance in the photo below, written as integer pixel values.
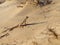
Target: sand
(37, 31)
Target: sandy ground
(40, 19)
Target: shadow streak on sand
(32, 24)
(23, 25)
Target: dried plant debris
(10, 29)
(53, 32)
(4, 35)
(23, 24)
(44, 2)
